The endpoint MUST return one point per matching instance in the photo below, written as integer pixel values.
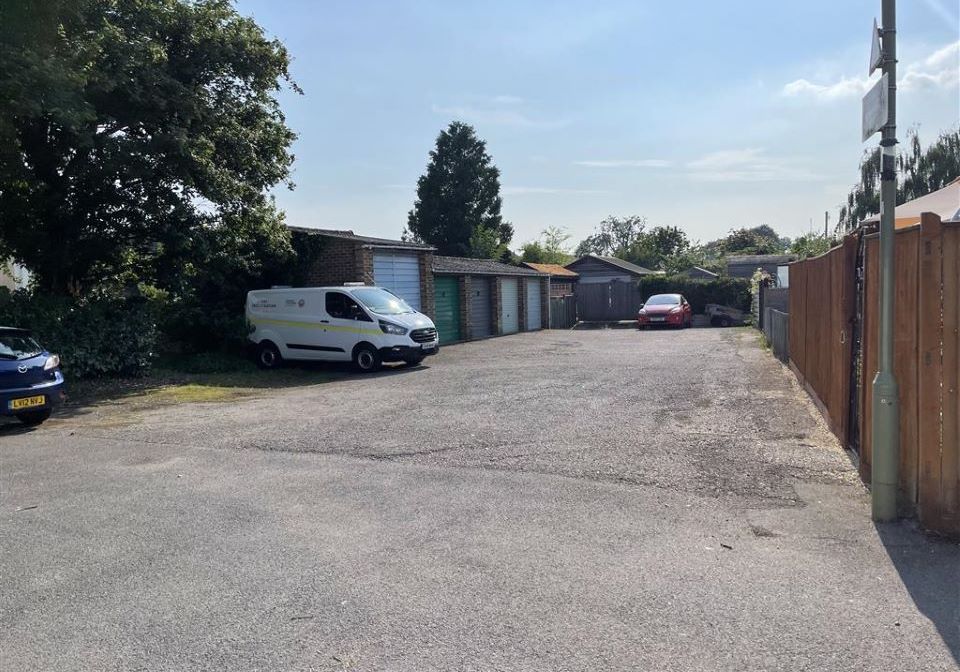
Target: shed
(594, 268)
(744, 266)
(562, 280)
(401, 266)
(478, 298)
(698, 273)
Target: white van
(363, 324)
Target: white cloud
(747, 165)
(940, 69)
(625, 163)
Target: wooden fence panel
(798, 308)
(905, 320)
(949, 521)
(930, 343)
(870, 345)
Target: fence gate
(607, 301)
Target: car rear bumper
(399, 353)
(53, 393)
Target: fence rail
(776, 329)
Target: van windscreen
(381, 301)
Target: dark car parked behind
(31, 383)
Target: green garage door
(447, 292)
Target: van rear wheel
(366, 358)
(268, 356)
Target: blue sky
(702, 115)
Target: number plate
(428, 346)
(657, 319)
(27, 402)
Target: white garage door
(400, 273)
(509, 304)
(533, 305)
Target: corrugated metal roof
(618, 263)
(468, 266)
(366, 240)
(552, 269)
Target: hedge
(103, 336)
(733, 292)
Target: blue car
(31, 383)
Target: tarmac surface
(588, 500)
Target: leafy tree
(920, 173)
(136, 135)
(812, 245)
(458, 199)
(653, 248)
(550, 248)
(757, 240)
(614, 236)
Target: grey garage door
(533, 304)
(509, 306)
(481, 309)
(400, 273)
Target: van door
(347, 324)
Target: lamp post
(886, 404)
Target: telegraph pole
(886, 404)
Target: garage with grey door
(533, 304)
(509, 305)
(400, 273)
(481, 307)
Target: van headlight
(391, 328)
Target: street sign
(876, 53)
(875, 107)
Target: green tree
(458, 199)
(921, 171)
(550, 248)
(812, 245)
(614, 236)
(133, 134)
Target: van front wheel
(268, 356)
(366, 358)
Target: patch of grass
(191, 393)
(208, 377)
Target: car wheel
(725, 322)
(268, 356)
(33, 418)
(366, 358)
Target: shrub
(97, 336)
(733, 292)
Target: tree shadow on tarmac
(930, 570)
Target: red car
(667, 310)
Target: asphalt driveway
(597, 500)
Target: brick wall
(364, 264)
(522, 308)
(466, 300)
(545, 284)
(497, 300)
(428, 305)
(336, 265)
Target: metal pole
(886, 404)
